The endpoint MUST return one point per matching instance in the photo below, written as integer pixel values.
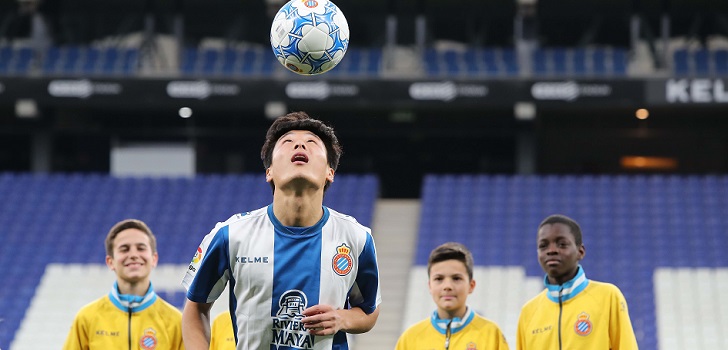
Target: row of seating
(69, 60)
(544, 62)
(701, 62)
(260, 61)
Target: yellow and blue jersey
(275, 272)
(472, 332)
(119, 321)
(579, 314)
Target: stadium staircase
(395, 232)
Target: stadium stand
(63, 219)
(659, 238)
(494, 62)
(700, 62)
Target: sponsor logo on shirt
(251, 259)
(583, 326)
(288, 329)
(342, 262)
(195, 259)
(471, 346)
(148, 340)
(198, 256)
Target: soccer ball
(309, 36)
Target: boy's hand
(322, 320)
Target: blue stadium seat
(681, 63)
(701, 59)
(52, 60)
(432, 62)
(579, 60)
(620, 61)
(130, 61)
(374, 61)
(451, 59)
(600, 57)
(71, 59)
(110, 60)
(509, 61)
(721, 62)
(249, 61)
(560, 58)
(90, 61)
(188, 60)
(229, 61)
(541, 62)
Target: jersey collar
(456, 323)
(133, 303)
(568, 289)
(298, 231)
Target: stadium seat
(541, 62)
(701, 58)
(90, 61)
(188, 60)
(110, 60)
(681, 63)
(579, 61)
(721, 62)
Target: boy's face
(133, 258)
(450, 286)
(299, 156)
(557, 252)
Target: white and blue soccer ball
(309, 36)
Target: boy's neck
(297, 210)
(447, 315)
(133, 288)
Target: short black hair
(451, 251)
(301, 121)
(563, 219)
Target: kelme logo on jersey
(287, 327)
(583, 326)
(148, 340)
(342, 262)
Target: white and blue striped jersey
(276, 271)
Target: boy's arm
(621, 333)
(196, 325)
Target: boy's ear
(472, 286)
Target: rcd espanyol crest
(148, 341)
(583, 326)
(342, 262)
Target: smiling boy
(454, 325)
(573, 312)
(131, 316)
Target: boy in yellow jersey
(573, 312)
(131, 316)
(453, 325)
(222, 335)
